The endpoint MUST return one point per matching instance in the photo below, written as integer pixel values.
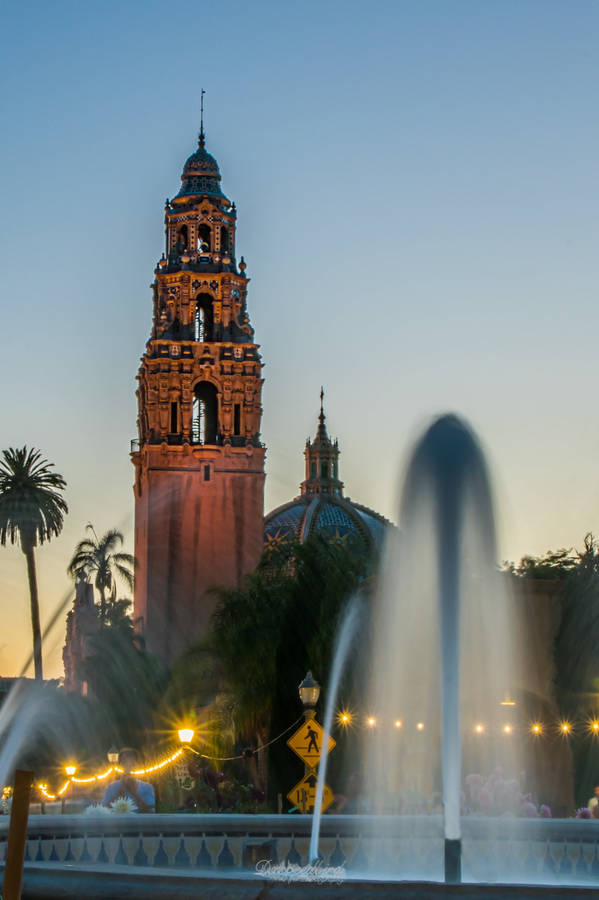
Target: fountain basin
(77, 851)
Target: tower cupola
(322, 461)
(201, 174)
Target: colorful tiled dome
(321, 508)
(201, 174)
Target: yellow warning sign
(303, 795)
(307, 742)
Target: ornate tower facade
(199, 461)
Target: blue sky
(417, 192)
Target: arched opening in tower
(224, 240)
(204, 319)
(182, 239)
(204, 414)
(204, 238)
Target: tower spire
(201, 141)
(322, 460)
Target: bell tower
(199, 461)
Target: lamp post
(309, 692)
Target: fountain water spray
(342, 647)
(443, 639)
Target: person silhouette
(313, 739)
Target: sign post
(306, 743)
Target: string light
(507, 729)
(594, 726)
(100, 776)
(420, 726)
(479, 728)
(398, 723)
(536, 728)
(371, 721)
(565, 728)
(344, 717)
(160, 765)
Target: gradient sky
(418, 206)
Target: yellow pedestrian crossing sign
(303, 795)
(307, 742)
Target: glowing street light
(565, 728)
(536, 728)
(70, 769)
(309, 692)
(479, 728)
(344, 718)
(420, 726)
(507, 728)
(398, 723)
(186, 735)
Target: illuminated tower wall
(199, 461)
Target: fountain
(444, 638)
(446, 649)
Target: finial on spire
(321, 417)
(201, 140)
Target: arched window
(182, 238)
(324, 469)
(204, 414)
(204, 320)
(224, 240)
(204, 238)
(313, 470)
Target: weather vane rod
(201, 141)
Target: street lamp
(309, 692)
(185, 735)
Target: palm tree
(32, 510)
(99, 557)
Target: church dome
(201, 161)
(201, 174)
(321, 507)
(332, 517)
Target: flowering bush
(500, 796)
(584, 813)
(123, 805)
(96, 809)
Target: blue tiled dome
(331, 516)
(321, 507)
(201, 174)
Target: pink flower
(545, 811)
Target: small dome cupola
(322, 461)
(201, 174)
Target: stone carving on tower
(199, 460)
